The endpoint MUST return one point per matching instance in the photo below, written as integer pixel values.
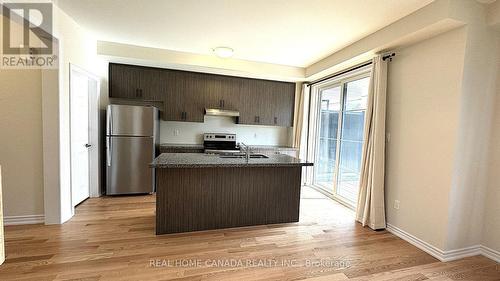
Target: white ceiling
(288, 32)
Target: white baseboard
(442, 255)
(452, 255)
(490, 253)
(422, 245)
(18, 220)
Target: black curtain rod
(388, 56)
(339, 73)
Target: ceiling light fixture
(223, 52)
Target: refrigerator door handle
(108, 129)
(110, 120)
(108, 151)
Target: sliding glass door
(328, 136)
(340, 108)
(351, 140)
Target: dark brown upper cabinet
(220, 91)
(283, 104)
(251, 102)
(150, 85)
(123, 81)
(192, 96)
(211, 91)
(182, 96)
(267, 103)
(185, 95)
(134, 82)
(268, 109)
(171, 87)
(231, 92)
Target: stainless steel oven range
(220, 143)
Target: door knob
(87, 145)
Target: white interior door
(80, 136)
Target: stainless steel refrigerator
(132, 134)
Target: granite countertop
(199, 160)
(271, 147)
(181, 145)
(200, 146)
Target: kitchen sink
(242, 156)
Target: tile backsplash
(192, 133)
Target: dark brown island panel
(199, 192)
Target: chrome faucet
(245, 148)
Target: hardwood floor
(113, 239)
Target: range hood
(221, 112)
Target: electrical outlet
(396, 204)
(176, 132)
(388, 137)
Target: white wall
(440, 107)
(491, 227)
(77, 47)
(422, 117)
(468, 193)
(21, 142)
(35, 163)
(493, 17)
(51, 161)
(192, 133)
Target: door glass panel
(357, 94)
(351, 141)
(327, 142)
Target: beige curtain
(301, 90)
(371, 210)
(2, 249)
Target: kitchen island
(196, 191)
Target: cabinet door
(230, 93)
(249, 102)
(221, 92)
(124, 81)
(267, 109)
(283, 104)
(171, 87)
(192, 96)
(268, 103)
(150, 84)
(211, 90)
(182, 96)
(258, 103)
